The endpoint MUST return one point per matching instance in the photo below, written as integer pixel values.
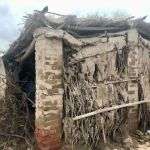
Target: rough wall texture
(48, 93)
(107, 68)
(133, 88)
(133, 74)
(111, 68)
(2, 79)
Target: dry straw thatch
(80, 94)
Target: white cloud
(18, 8)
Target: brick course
(49, 93)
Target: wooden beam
(84, 58)
(82, 29)
(115, 82)
(99, 111)
(53, 13)
(27, 52)
(121, 81)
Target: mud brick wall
(48, 92)
(2, 79)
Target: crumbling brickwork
(133, 74)
(2, 79)
(133, 87)
(48, 93)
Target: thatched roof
(78, 27)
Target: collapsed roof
(77, 27)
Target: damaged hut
(79, 80)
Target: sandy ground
(145, 146)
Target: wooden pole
(56, 14)
(29, 50)
(83, 59)
(99, 111)
(121, 81)
(103, 130)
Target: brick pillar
(2, 79)
(49, 93)
(133, 85)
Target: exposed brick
(49, 105)
(47, 140)
(133, 88)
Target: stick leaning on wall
(99, 111)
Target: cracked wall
(49, 92)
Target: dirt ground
(145, 146)
(140, 141)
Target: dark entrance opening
(20, 99)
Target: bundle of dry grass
(81, 94)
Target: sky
(12, 12)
